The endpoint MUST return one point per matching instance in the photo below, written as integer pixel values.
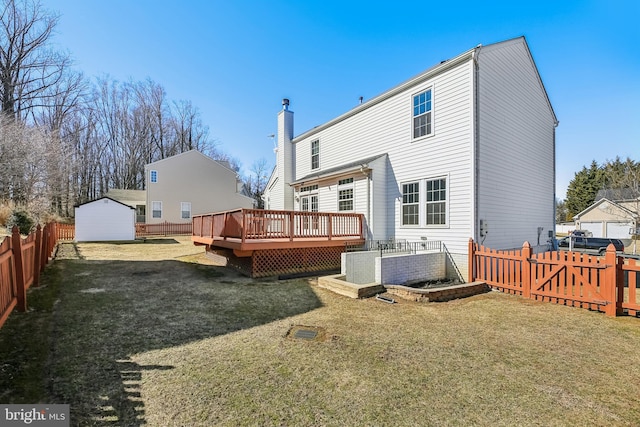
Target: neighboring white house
(104, 219)
(191, 183)
(463, 150)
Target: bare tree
(29, 68)
(257, 180)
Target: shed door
(619, 230)
(593, 227)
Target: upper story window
(315, 154)
(422, 114)
(410, 203)
(153, 176)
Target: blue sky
(236, 60)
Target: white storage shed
(105, 219)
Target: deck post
(291, 225)
(330, 226)
(243, 232)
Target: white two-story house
(464, 150)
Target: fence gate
(570, 278)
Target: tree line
(66, 139)
(620, 177)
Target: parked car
(581, 233)
(593, 245)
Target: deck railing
(254, 224)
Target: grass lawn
(152, 334)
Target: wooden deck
(246, 230)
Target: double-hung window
(410, 203)
(345, 194)
(153, 176)
(315, 154)
(424, 203)
(156, 209)
(185, 210)
(436, 201)
(422, 114)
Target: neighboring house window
(422, 110)
(315, 154)
(436, 201)
(154, 176)
(156, 209)
(410, 203)
(345, 194)
(185, 210)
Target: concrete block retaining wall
(400, 269)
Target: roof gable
(191, 153)
(601, 202)
(101, 198)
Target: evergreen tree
(583, 188)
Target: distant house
(615, 214)
(191, 183)
(104, 219)
(137, 199)
(465, 149)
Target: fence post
(44, 256)
(526, 270)
(37, 256)
(471, 266)
(16, 247)
(611, 281)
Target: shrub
(5, 214)
(22, 220)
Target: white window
(425, 203)
(185, 210)
(411, 203)
(153, 176)
(436, 199)
(345, 194)
(422, 114)
(315, 154)
(156, 209)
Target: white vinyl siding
(516, 154)
(386, 128)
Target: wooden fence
(608, 284)
(21, 261)
(67, 231)
(163, 229)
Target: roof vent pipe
(285, 104)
